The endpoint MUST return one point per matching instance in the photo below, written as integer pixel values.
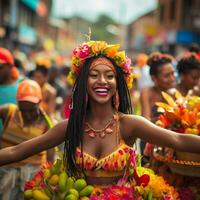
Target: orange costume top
(14, 133)
(111, 165)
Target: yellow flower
(120, 57)
(98, 46)
(111, 50)
(130, 81)
(75, 61)
(70, 78)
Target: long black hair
(75, 128)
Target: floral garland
(181, 115)
(94, 48)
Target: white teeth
(101, 90)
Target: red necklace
(101, 132)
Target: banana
(39, 195)
(74, 192)
(28, 194)
(80, 184)
(86, 191)
(62, 181)
(69, 184)
(71, 197)
(54, 180)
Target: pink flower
(127, 64)
(167, 197)
(82, 51)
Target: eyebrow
(110, 70)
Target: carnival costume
(134, 183)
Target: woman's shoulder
(130, 120)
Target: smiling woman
(100, 134)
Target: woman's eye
(93, 75)
(110, 76)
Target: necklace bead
(101, 132)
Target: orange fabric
(6, 57)
(102, 61)
(29, 90)
(115, 161)
(14, 133)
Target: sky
(122, 11)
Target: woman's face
(101, 84)
(191, 78)
(165, 79)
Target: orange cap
(6, 57)
(29, 90)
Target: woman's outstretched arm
(150, 132)
(51, 138)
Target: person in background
(56, 82)
(8, 79)
(189, 72)
(163, 76)
(23, 122)
(40, 75)
(144, 79)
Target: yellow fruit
(71, 197)
(28, 194)
(84, 198)
(74, 192)
(86, 191)
(39, 195)
(62, 181)
(47, 173)
(80, 184)
(54, 180)
(69, 183)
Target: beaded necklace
(101, 132)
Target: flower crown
(94, 48)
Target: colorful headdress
(94, 48)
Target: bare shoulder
(130, 120)
(130, 123)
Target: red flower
(142, 180)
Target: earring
(116, 101)
(71, 104)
